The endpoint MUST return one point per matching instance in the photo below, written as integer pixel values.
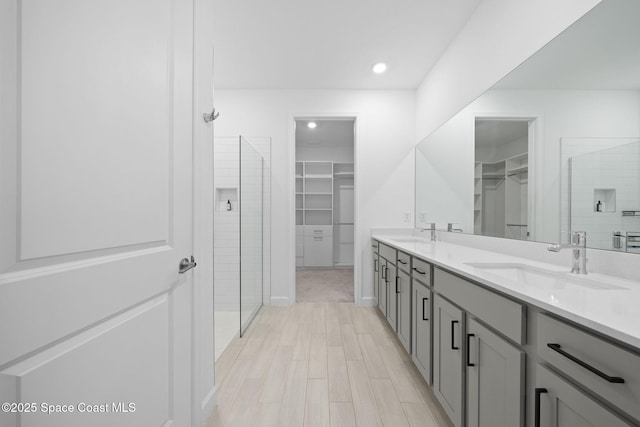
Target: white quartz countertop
(607, 304)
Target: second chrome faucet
(578, 243)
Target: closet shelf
(518, 170)
(318, 176)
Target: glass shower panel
(251, 213)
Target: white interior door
(95, 211)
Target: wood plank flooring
(321, 364)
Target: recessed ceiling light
(380, 68)
(312, 125)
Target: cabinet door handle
(402, 262)
(375, 265)
(468, 350)
(383, 275)
(558, 348)
(453, 344)
(539, 391)
(386, 275)
(424, 317)
(397, 280)
(416, 269)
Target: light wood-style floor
(321, 364)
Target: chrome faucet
(577, 242)
(450, 228)
(432, 228)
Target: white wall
(384, 163)
(499, 36)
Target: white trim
(281, 301)
(202, 238)
(369, 302)
(208, 405)
(357, 246)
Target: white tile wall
(227, 224)
(616, 169)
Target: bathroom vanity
(508, 341)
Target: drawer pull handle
(469, 350)
(397, 280)
(419, 271)
(539, 391)
(424, 317)
(557, 348)
(453, 344)
(402, 262)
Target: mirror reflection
(500, 167)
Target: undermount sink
(539, 277)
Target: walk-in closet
(324, 209)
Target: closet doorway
(324, 194)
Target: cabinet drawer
(374, 246)
(318, 230)
(318, 251)
(502, 314)
(388, 253)
(421, 270)
(606, 357)
(404, 261)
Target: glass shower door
(251, 193)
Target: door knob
(186, 264)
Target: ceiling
(601, 51)
(331, 44)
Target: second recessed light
(312, 125)
(380, 68)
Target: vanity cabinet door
(495, 379)
(383, 285)
(403, 294)
(392, 299)
(375, 274)
(447, 358)
(421, 329)
(560, 404)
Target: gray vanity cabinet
(392, 299)
(495, 379)
(375, 273)
(421, 329)
(560, 404)
(383, 285)
(448, 357)
(403, 296)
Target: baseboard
(368, 301)
(280, 301)
(208, 405)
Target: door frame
(203, 390)
(536, 155)
(357, 200)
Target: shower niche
(227, 199)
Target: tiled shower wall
(616, 168)
(226, 165)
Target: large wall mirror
(552, 147)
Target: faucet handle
(579, 238)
